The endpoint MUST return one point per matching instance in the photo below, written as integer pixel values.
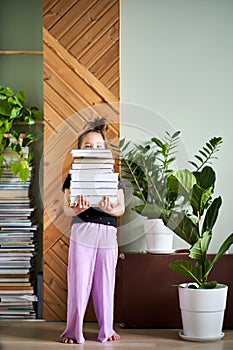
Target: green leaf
(1, 172)
(212, 214)
(6, 91)
(207, 150)
(30, 156)
(209, 285)
(205, 178)
(185, 179)
(15, 167)
(158, 142)
(15, 112)
(29, 120)
(216, 141)
(200, 248)
(36, 113)
(122, 142)
(176, 134)
(15, 146)
(199, 158)
(1, 160)
(194, 164)
(24, 174)
(15, 133)
(8, 126)
(224, 247)
(200, 198)
(5, 108)
(186, 268)
(183, 226)
(21, 98)
(203, 153)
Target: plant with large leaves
(16, 118)
(195, 224)
(147, 168)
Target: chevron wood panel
(81, 80)
(88, 29)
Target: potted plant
(202, 302)
(16, 120)
(147, 168)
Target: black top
(92, 215)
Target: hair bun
(98, 124)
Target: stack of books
(92, 175)
(17, 249)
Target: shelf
(21, 52)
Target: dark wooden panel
(147, 298)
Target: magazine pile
(17, 248)
(93, 176)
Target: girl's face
(93, 140)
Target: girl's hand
(113, 209)
(80, 205)
(106, 205)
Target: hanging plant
(16, 120)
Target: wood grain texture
(81, 80)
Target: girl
(92, 253)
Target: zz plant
(16, 118)
(147, 167)
(195, 223)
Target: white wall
(177, 74)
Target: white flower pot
(159, 238)
(202, 312)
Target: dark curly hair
(98, 125)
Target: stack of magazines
(17, 249)
(92, 175)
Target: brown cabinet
(145, 292)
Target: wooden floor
(25, 335)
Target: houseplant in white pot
(202, 302)
(16, 120)
(147, 168)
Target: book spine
(86, 176)
(94, 200)
(91, 192)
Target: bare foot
(67, 340)
(115, 336)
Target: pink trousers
(91, 270)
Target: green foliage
(147, 168)
(207, 153)
(16, 118)
(195, 224)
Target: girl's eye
(100, 146)
(87, 146)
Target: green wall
(177, 74)
(21, 24)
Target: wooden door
(81, 79)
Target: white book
(93, 191)
(92, 166)
(16, 210)
(94, 200)
(14, 271)
(89, 160)
(96, 184)
(87, 176)
(92, 153)
(94, 171)
(18, 298)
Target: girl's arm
(113, 209)
(81, 205)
